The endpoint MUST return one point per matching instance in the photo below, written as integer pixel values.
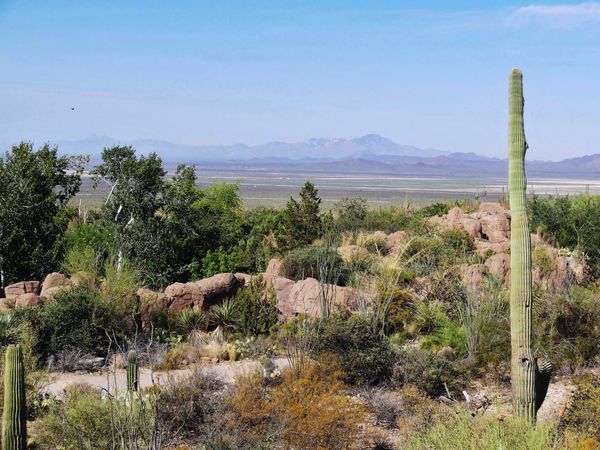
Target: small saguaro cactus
(133, 372)
(529, 377)
(14, 418)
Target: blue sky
(430, 74)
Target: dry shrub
(186, 405)
(185, 353)
(306, 410)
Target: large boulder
(307, 297)
(202, 294)
(12, 291)
(53, 283)
(29, 299)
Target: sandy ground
(117, 381)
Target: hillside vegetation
(394, 322)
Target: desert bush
(458, 241)
(322, 263)
(82, 263)
(435, 209)
(74, 319)
(83, 420)
(306, 410)
(462, 432)
(567, 326)
(433, 374)
(364, 355)
(583, 415)
(385, 405)
(257, 309)
(185, 406)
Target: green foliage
(462, 432)
(566, 326)
(214, 262)
(428, 372)
(74, 319)
(301, 221)
(364, 355)
(572, 222)
(435, 209)
(14, 418)
(322, 263)
(350, 213)
(190, 320)
(40, 181)
(257, 309)
(583, 416)
(86, 421)
(225, 315)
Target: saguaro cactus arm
(527, 394)
(14, 419)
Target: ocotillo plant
(133, 372)
(529, 384)
(14, 419)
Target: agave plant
(225, 315)
(10, 331)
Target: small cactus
(133, 372)
(14, 419)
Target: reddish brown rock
(53, 283)
(472, 275)
(306, 297)
(22, 287)
(202, 294)
(499, 266)
(395, 241)
(29, 299)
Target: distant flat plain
(274, 187)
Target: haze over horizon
(426, 74)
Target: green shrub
(583, 416)
(322, 263)
(74, 319)
(429, 372)
(364, 355)
(462, 432)
(435, 209)
(257, 308)
(83, 420)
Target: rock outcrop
(12, 291)
(309, 297)
(53, 283)
(489, 227)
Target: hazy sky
(431, 74)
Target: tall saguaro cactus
(530, 378)
(133, 372)
(14, 419)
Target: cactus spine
(133, 372)
(530, 378)
(14, 419)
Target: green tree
(35, 188)
(350, 212)
(301, 220)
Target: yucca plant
(191, 320)
(225, 315)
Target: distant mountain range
(367, 154)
